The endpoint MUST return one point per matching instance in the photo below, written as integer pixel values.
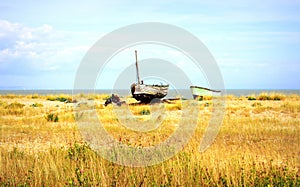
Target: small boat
(145, 93)
(200, 92)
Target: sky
(256, 44)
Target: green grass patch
(52, 117)
(37, 105)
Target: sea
(183, 93)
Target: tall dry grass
(258, 144)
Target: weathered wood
(146, 93)
(137, 68)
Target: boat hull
(200, 92)
(146, 93)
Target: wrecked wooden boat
(145, 93)
(200, 92)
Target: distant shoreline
(125, 92)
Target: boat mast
(137, 67)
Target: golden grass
(258, 144)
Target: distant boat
(145, 92)
(200, 92)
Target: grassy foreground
(258, 144)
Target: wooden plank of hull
(145, 93)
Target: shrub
(251, 98)
(15, 105)
(78, 151)
(50, 98)
(272, 96)
(263, 97)
(65, 99)
(145, 112)
(51, 117)
(277, 96)
(35, 96)
(37, 105)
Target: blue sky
(255, 43)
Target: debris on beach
(114, 99)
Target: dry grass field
(258, 143)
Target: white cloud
(40, 48)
